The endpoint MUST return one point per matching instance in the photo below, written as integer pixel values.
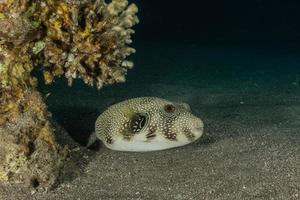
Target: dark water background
(223, 47)
(214, 23)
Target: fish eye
(169, 108)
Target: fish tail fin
(92, 140)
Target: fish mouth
(197, 131)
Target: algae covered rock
(28, 149)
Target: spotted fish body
(147, 124)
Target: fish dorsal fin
(138, 122)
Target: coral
(86, 39)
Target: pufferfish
(147, 124)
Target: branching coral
(85, 39)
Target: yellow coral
(88, 40)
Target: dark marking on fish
(190, 136)
(138, 122)
(168, 130)
(108, 140)
(171, 136)
(151, 134)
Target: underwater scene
(149, 100)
